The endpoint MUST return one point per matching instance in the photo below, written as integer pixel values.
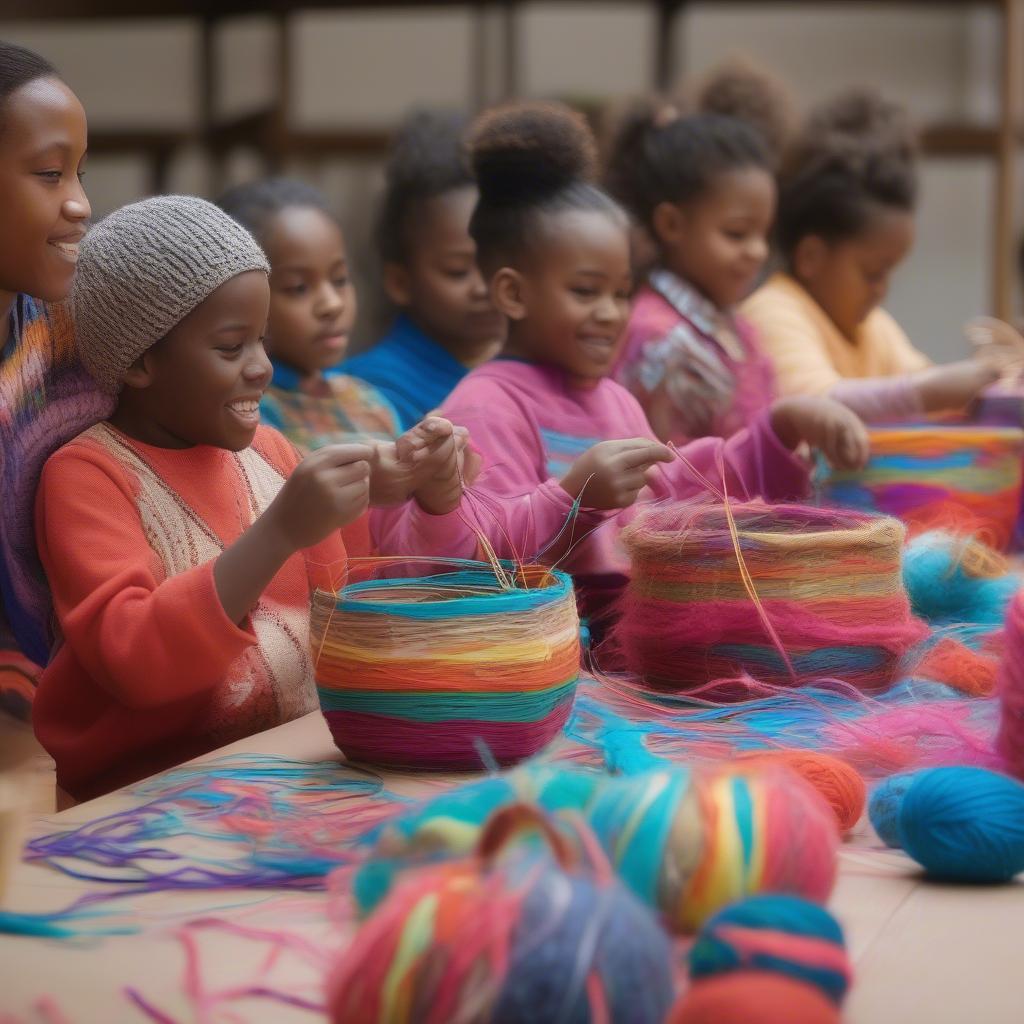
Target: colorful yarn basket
(446, 671)
(785, 593)
(965, 478)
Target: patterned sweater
(151, 671)
(316, 411)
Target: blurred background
(193, 97)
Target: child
(552, 427)
(446, 323)
(845, 222)
(703, 189)
(312, 310)
(45, 396)
(181, 538)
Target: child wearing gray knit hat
(143, 269)
(181, 539)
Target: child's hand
(824, 424)
(612, 473)
(327, 490)
(442, 462)
(954, 385)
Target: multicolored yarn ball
(753, 997)
(770, 932)
(450, 825)
(967, 478)
(954, 580)
(512, 935)
(787, 594)
(963, 824)
(690, 843)
(838, 782)
(431, 671)
(884, 808)
(1010, 740)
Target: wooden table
(923, 953)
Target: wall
(364, 68)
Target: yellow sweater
(810, 355)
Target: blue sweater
(409, 368)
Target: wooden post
(665, 65)
(1004, 262)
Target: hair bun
(527, 151)
(862, 117)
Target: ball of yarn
(838, 782)
(512, 936)
(753, 997)
(690, 843)
(964, 824)
(779, 933)
(952, 579)
(884, 808)
(1010, 740)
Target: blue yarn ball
(753, 934)
(964, 824)
(571, 928)
(941, 592)
(884, 808)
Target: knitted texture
(143, 269)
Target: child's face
(202, 383)
(312, 298)
(42, 153)
(440, 286)
(849, 279)
(719, 241)
(574, 304)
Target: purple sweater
(529, 425)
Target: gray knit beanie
(143, 269)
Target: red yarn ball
(753, 997)
(838, 782)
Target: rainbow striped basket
(446, 671)
(966, 479)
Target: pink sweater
(689, 383)
(529, 425)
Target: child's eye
(49, 175)
(736, 236)
(295, 289)
(456, 275)
(340, 282)
(230, 350)
(584, 293)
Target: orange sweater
(151, 671)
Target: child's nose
(259, 369)
(76, 207)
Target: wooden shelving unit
(271, 132)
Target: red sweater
(151, 671)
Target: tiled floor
(15, 735)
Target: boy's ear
(808, 257)
(397, 284)
(141, 373)
(669, 223)
(508, 289)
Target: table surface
(922, 952)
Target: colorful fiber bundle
(512, 935)
(436, 671)
(1010, 741)
(965, 478)
(770, 932)
(690, 843)
(449, 825)
(960, 823)
(786, 594)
